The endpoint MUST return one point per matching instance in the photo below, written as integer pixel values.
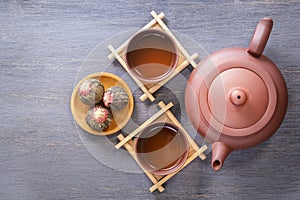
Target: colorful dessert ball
(115, 98)
(98, 118)
(91, 91)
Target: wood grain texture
(42, 46)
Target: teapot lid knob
(238, 97)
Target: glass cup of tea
(151, 55)
(161, 148)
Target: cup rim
(182, 159)
(175, 49)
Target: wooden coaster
(184, 59)
(164, 114)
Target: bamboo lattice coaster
(164, 114)
(184, 59)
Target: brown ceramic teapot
(236, 97)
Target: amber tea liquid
(151, 55)
(161, 148)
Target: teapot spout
(219, 153)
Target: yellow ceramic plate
(120, 118)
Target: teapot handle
(260, 37)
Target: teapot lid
(240, 100)
(243, 101)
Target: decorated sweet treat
(115, 98)
(98, 118)
(91, 91)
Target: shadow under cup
(161, 148)
(151, 55)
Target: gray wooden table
(43, 45)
